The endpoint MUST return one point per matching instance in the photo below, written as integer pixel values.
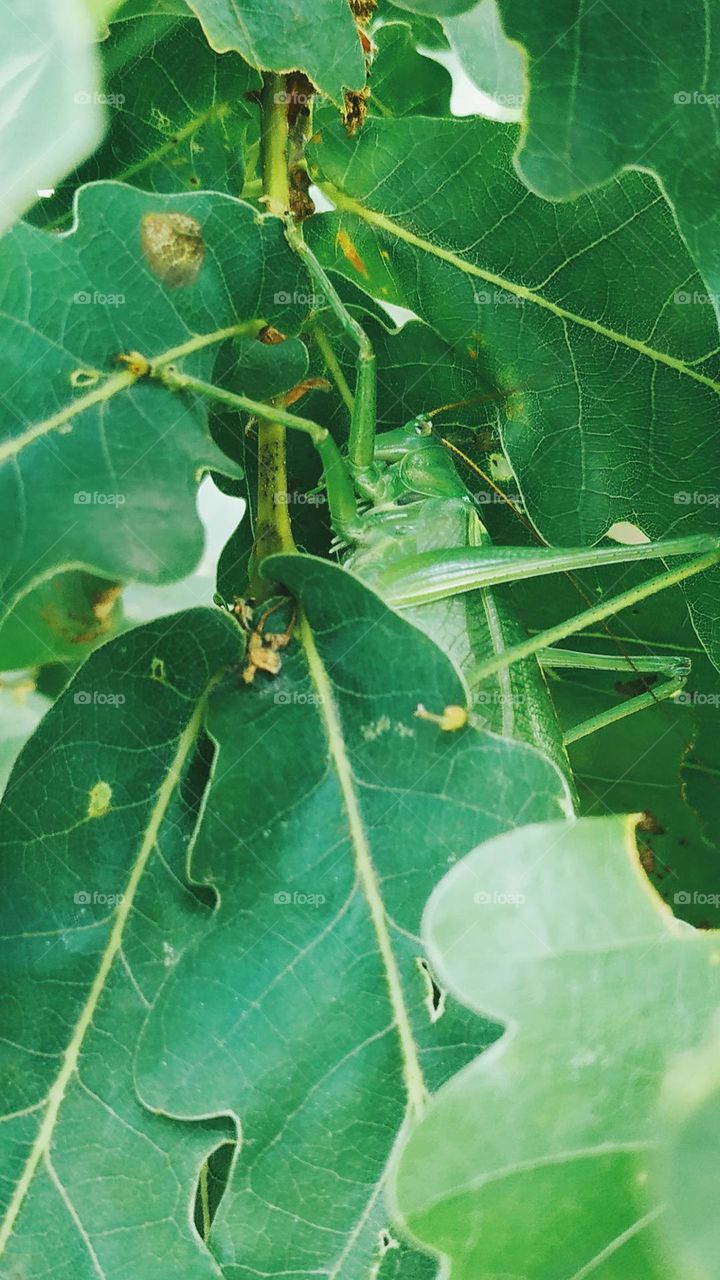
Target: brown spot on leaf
(173, 247)
(647, 859)
(299, 95)
(363, 9)
(271, 337)
(355, 110)
(99, 800)
(302, 205)
(649, 823)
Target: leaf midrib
(191, 127)
(350, 205)
(416, 1089)
(55, 1098)
(116, 383)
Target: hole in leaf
(212, 1182)
(192, 792)
(434, 995)
(84, 377)
(627, 533)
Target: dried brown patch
(173, 246)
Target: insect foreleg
(361, 444)
(339, 486)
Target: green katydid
(410, 528)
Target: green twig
(273, 532)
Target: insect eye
(423, 426)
